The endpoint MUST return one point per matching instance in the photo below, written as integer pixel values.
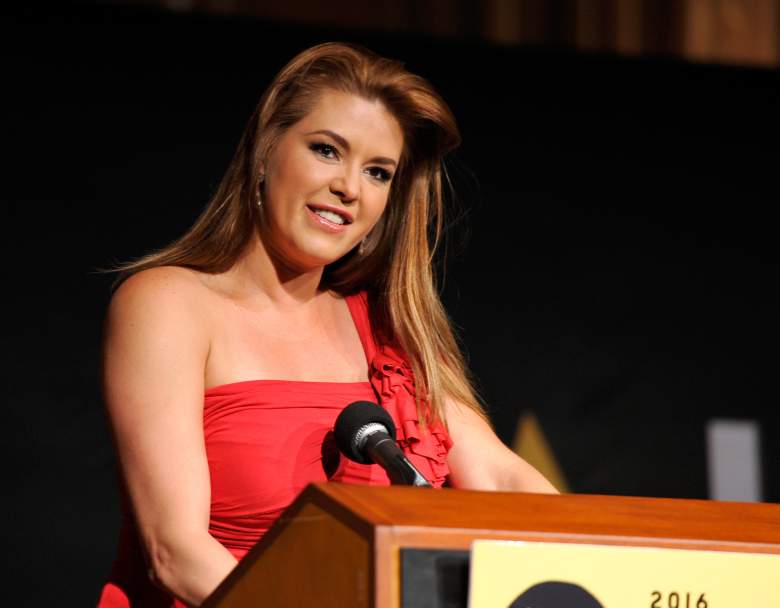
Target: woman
(305, 284)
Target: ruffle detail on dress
(393, 381)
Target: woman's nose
(346, 186)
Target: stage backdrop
(617, 281)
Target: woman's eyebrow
(382, 160)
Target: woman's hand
(155, 350)
(479, 460)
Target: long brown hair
(396, 264)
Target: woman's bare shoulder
(162, 283)
(168, 294)
(160, 280)
(156, 336)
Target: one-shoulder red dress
(267, 439)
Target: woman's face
(328, 179)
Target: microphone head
(352, 419)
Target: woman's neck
(257, 274)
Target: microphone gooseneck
(366, 433)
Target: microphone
(365, 433)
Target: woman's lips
(326, 224)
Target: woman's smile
(328, 220)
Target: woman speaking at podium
(305, 285)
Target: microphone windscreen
(353, 418)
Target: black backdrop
(618, 279)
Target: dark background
(618, 280)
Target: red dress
(267, 439)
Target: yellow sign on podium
(507, 574)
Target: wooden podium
(346, 545)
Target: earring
(259, 185)
(362, 246)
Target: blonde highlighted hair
(396, 264)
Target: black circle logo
(555, 594)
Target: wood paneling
(732, 31)
(720, 31)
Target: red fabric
(267, 439)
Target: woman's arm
(479, 460)
(155, 350)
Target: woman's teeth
(330, 216)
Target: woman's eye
(324, 149)
(383, 175)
